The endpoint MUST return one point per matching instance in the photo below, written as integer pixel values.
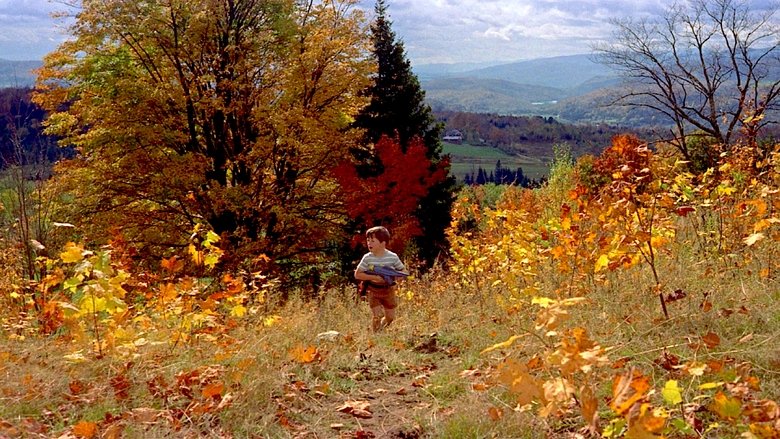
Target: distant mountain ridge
(542, 86)
(572, 89)
(18, 73)
(564, 72)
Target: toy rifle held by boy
(389, 275)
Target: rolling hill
(572, 88)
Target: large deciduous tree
(398, 110)
(710, 66)
(225, 112)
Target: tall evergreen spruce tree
(398, 110)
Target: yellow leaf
(544, 302)
(73, 253)
(503, 344)
(271, 320)
(238, 311)
(601, 263)
(671, 393)
(197, 255)
(762, 225)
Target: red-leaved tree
(391, 197)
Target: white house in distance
(453, 136)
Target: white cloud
(431, 30)
(506, 30)
(27, 29)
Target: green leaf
(671, 393)
(682, 426)
(71, 284)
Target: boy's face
(374, 244)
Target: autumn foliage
(390, 198)
(645, 205)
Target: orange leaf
(85, 429)
(168, 292)
(172, 264)
(305, 355)
(628, 390)
(711, 340)
(495, 413)
(77, 387)
(213, 390)
(589, 406)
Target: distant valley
(573, 89)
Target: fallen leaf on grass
(358, 409)
(495, 413)
(213, 390)
(420, 381)
(711, 340)
(504, 344)
(627, 390)
(305, 355)
(85, 429)
(479, 387)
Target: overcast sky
(433, 31)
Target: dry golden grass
(422, 377)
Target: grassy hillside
(546, 323)
(489, 96)
(467, 159)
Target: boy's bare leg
(389, 317)
(376, 321)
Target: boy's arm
(363, 275)
(399, 265)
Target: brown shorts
(384, 297)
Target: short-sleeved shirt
(388, 260)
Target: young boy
(381, 294)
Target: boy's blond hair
(380, 233)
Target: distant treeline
(22, 141)
(532, 135)
(500, 175)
